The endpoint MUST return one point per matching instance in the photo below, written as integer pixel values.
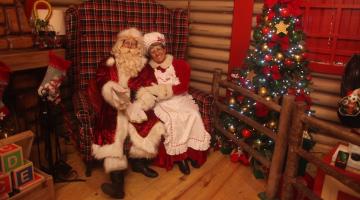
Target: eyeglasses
(130, 43)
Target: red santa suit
(112, 120)
(185, 135)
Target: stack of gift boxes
(16, 173)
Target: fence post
(277, 161)
(295, 139)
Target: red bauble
(304, 55)
(288, 62)
(234, 156)
(266, 30)
(268, 57)
(246, 133)
(309, 77)
(284, 12)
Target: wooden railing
(280, 138)
(291, 181)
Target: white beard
(129, 61)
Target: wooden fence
(295, 151)
(280, 138)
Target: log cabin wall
(209, 40)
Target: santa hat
(152, 38)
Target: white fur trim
(139, 153)
(148, 146)
(111, 97)
(130, 33)
(167, 62)
(115, 163)
(114, 153)
(110, 62)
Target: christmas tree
(276, 66)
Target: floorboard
(217, 179)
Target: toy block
(23, 174)
(11, 157)
(4, 196)
(37, 178)
(5, 184)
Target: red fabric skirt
(167, 161)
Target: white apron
(180, 114)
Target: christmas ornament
(288, 62)
(225, 149)
(261, 110)
(281, 28)
(284, 12)
(279, 56)
(231, 128)
(297, 58)
(232, 101)
(234, 156)
(263, 91)
(244, 109)
(246, 133)
(265, 47)
(268, 57)
(266, 30)
(272, 124)
(257, 144)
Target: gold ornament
(297, 58)
(265, 47)
(272, 124)
(279, 56)
(231, 128)
(281, 28)
(263, 91)
(268, 98)
(257, 144)
(232, 101)
(244, 108)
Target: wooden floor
(217, 179)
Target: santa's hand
(116, 95)
(135, 113)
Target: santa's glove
(135, 113)
(161, 91)
(115, 95)
(145, 99)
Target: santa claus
(119, 115)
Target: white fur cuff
(114, 164)
(120, 101)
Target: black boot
(193, 163)
(184, 167)
(115, 189)
(141, 166)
